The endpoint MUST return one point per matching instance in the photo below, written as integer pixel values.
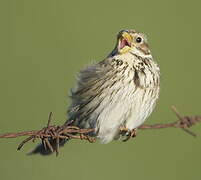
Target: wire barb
(183, 122)
(68, 131)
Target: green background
(43, 44)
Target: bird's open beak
(125, 42)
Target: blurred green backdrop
(44, 43)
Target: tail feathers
(40, 149)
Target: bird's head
(131, 41)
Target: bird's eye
(138, 39)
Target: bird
(117, 94)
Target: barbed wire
(68, 131)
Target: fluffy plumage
(119, 91)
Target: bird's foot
(128, 133)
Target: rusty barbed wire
(67, 131)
